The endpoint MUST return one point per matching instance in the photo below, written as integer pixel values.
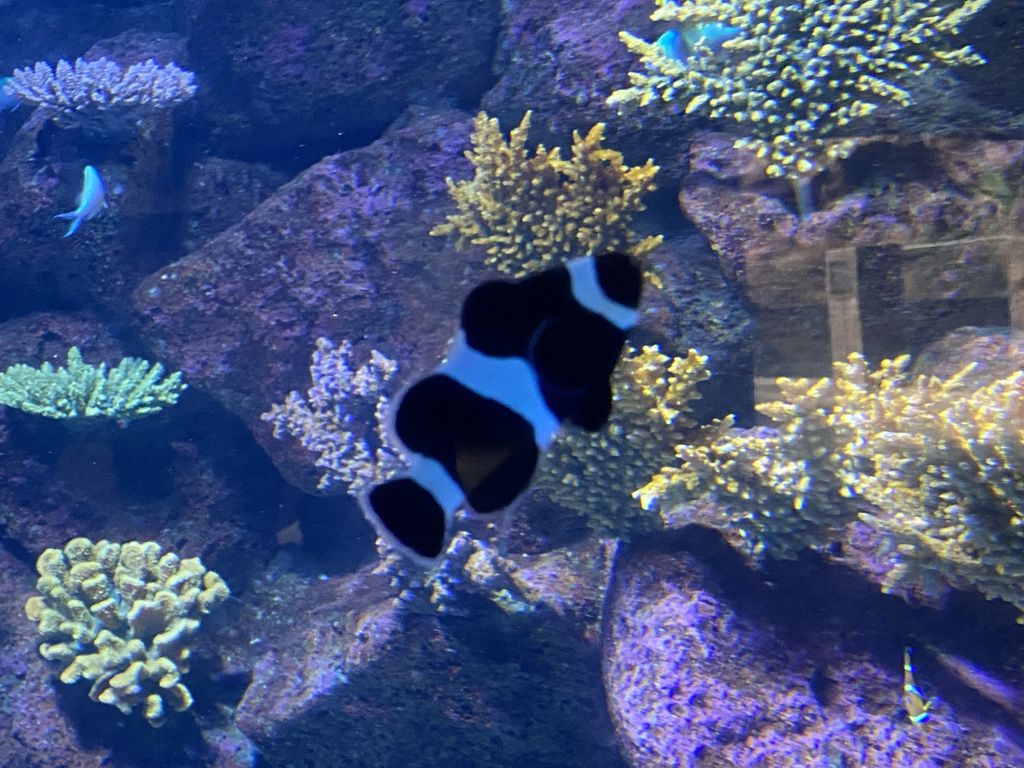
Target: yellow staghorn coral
(528, 209)
(595, 473)
(935, 464)
(122, 616)
(792, 75)
(782, 490)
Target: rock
(486, 686)
(707, 663)
(303, 79)
(34, 730)
(342, 251)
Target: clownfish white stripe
(588, 292)
(431, 475)
(510, 381)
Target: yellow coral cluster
(794, 74)
(595, 473)
(945, 475)
(782, 490)
(528, 209)
(122, 616)
(935, 464)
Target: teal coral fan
(796, 74)
(133, 388)
(935, 464)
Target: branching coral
(935, 464)
(123, 616)
(783, 490)
(794, 74)
(530, 209)
(133, 388)
(595, 473)
(470, 566)
(326, 420)
(101, 94)
(946, 475)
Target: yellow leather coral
(122, 616)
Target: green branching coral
(946, 476)
(792, 75)
(530, 209)
(596, 473)
(935, 464)
(133, 388)
(122, 616)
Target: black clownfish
(528, 356)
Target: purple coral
(326, 421)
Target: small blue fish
(91, 201)
(680, 45)
(8, 103)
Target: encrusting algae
(794, 75)
(937, 465)
(122, 616)
(530, 209)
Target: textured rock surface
(708, 664)
(305, 78)
(342, 251)
(480, 687)
(944, 188)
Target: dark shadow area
(132, 741)
(41, 294)
(882, 164)
(335, 537)
(490, 690)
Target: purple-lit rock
(34, 731)
(308, 77)
(219, 193)
(708, 663)
(484, 687)
(944, 187)
(563, 60)
(342, 251)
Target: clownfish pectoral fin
(510, 475)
